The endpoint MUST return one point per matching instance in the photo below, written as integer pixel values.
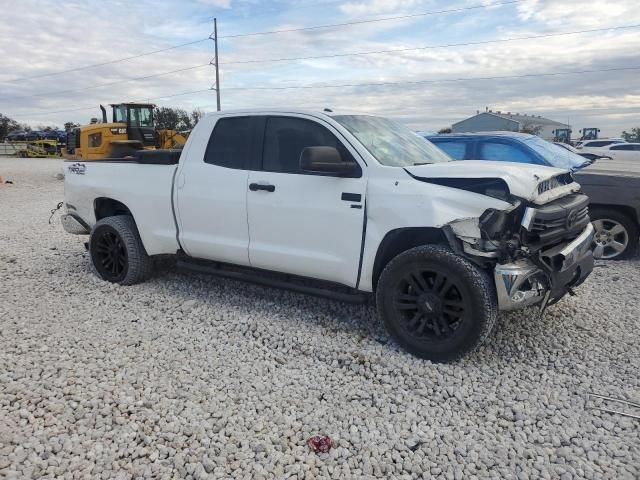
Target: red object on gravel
(320, 443)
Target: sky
(61, 59)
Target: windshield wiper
(422, 163)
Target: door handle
(351, 197)
(260, 186)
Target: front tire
(435, 304)
(117, 253)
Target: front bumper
(524, 283)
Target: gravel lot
(190, 376)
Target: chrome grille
(554, 182)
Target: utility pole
(215, 41)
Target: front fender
(395, 202)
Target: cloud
(578, 13)
(82, 36)
(216, 3)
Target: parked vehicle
(620, 151)
(590, 145)
(507, 147)
(588, 155)
(611, 187)
(348, 206)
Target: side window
(231, 143)
(504, 152)
(286, 137)
(623, 147)
(455, 150)
(95, 140)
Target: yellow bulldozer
(132, 128)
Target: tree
(633, 136)
(68, 126)
(531, 129)
(168, 118)
(46, 128)
(9, 125)
(196, 115)
(177, 118)
(445, 130)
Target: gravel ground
(189, 376)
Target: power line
(335, 25)
(443, 80)
(408, 49)
(337, 55)
(371, 84)
(100, 85)
(40, 112)
(110, 62)
(384, 19)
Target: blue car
(507, 147)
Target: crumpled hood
(522, 179)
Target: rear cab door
(304, 223)
(211, 191)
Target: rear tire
(616, 234)
(435, 304)
(117, 253)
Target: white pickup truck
(350, 206)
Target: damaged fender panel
(395, 200)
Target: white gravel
(190, 376)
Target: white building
(490, 121)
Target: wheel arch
(400, 240)
(108, 207)
(631, 212)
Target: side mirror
(325, 160)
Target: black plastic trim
(364, 236)
(253, 276)
(173, 208)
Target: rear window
(231, 142)
(455, 150)
(504, 152)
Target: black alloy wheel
(436, 304)
(117, 252)
(110, 255)
(429, 303)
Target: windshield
(141, 116)
(390, 143)
(556, 156)
(138, 116)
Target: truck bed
(146, 188)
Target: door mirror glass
(325, 160)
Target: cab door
(301, 223)
(211, 191)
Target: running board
(256, 278)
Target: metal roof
(521, 118)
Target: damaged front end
(536, 253)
